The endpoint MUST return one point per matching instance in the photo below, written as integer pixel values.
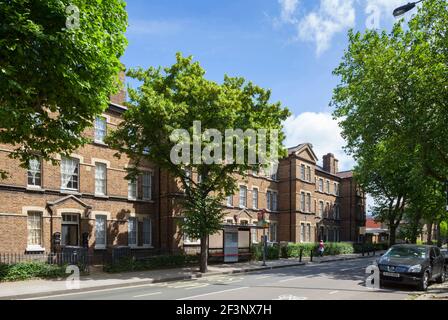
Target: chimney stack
(120, 96)
(331, 164)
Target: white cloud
(332, 17)
(386, 6)
(288, 10)
(322, 131)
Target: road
(340, 280)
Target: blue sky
(289, 46)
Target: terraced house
(86, 201)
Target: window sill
(100, 248)
(141, 247)
(67, 191)
(100, 143)
(34, 189)
(102, 196)
(34, 249)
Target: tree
(393, 96)
(59, 64)
(388, 180)
(173, 99)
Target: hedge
(272, 252)
(30, 270)
(292, 250)
(156, 262)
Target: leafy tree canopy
(56, 71)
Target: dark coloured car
(412, 264)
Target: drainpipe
(290, 199)
(351, 208)
(51, 228)
(158, 211)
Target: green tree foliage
(173, 98)
(56, 72)
(392, 104)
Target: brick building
(87, 200)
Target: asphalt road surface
(340, 280)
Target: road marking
(147, 294)
(216, 292)
(264, 277)
(334, 292)
(353, 268)
(182, 286)
(294, 278)
(197, 287)
(90, 291)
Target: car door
(440, 260)
(435, 263)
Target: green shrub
(292, 250)
(272, 252)
(151, 263)
(29, 270)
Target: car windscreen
(406, 252)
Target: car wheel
(423, 285)
(442, 277)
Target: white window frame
(269, 200)
(65, 175)
(229, 201)
(32, 172)
(274, 201)
(302, 232)
(308, 202)
(147, 185)
(135, 223)
(147, 220)
(308, 232)
(100, 245)
(243, 197)
(35, 245)
(308, 173)
(321, 208)
(320, 185)
(100, 129)
(102, 179)
(254, 233)
(273, 227)
(132, 183)
(302, 201)
(327, 186)
(302, 172)
(255, 198)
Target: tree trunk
(392, 234)
(439, 236)
(204, 254)
(429, 233)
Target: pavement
(435, 292)
(334, 280)
(105, 281)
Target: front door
(231, 246)
(70, 229)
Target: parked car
(412, 264)
(445, 254)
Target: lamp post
(407, 7)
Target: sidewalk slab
(100, 280)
